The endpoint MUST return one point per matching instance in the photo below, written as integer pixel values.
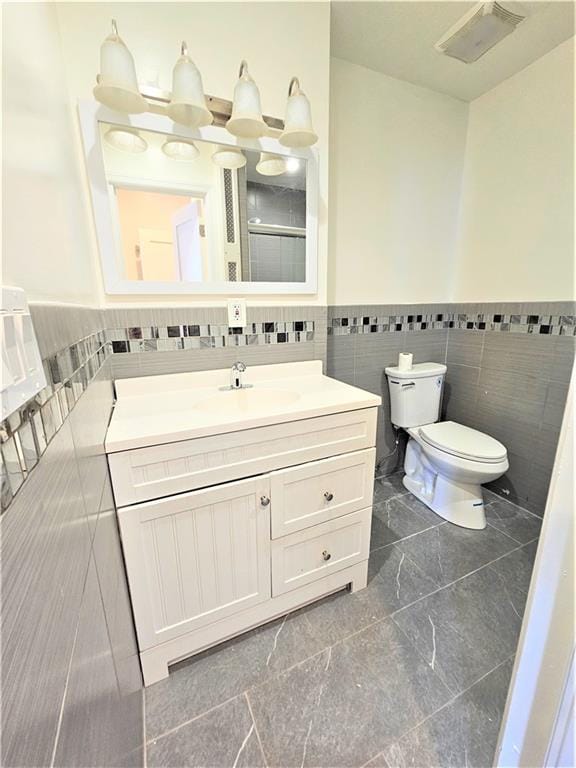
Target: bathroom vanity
(236, 506)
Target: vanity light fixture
(292, 164)
(298, 131)
(229, 157)
(180, 149)
(188, 104)
(246, 121)
(271, 165)
(126, 140)
(117, 86)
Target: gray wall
(510, 382)
(71, 683)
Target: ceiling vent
(480, 29)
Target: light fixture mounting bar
(220, 108)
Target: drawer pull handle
(328, 496)
(264, 500)
(326, 555)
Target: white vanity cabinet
(224, 532)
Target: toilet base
(458, 503)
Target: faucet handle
(239, 366)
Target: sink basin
(247, 400)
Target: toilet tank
(416, 394)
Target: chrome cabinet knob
(326, 555)
(328, 496)
(264, 500)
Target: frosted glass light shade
(126, 140)
(181, 150)
(229, 157)
(271, 165)
(298, 131)
(117, 86)
(246, 119)
(188, 103)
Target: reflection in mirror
(179, 216)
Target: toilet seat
(464, 442)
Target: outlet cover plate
(237, 313)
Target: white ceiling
(397, 38)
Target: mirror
(179, 217)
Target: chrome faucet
(236, 376)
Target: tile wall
(508, 371)
(149, 342)
(71, 682)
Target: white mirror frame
(91, 113)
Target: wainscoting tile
(224, 737)
(45, 550)
(426, 346)
(527, 355)
(465, 629)
(89, 422)
(464, 347)
(374, 682)
(94, 728)
(448, 552)
(462, 733)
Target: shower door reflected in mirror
(179, 217)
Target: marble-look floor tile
(393, 520)
(515, 572)
(512, 520)
(393, 582)
(388, 487)
(377, 762)
(343, 706)
(465, 629)
(422, 510)
(220, 673)
(463, 733)
(222, 738)
(447, 552)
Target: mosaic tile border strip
(25, 434)
(177, 337)
(551, 325)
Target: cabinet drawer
(322, 490)
(196, 558)
(315, 552)
(162, 470)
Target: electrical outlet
(237, 313)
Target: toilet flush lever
(409, 385)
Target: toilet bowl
(446, 465)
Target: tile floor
(411, 671)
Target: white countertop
(152, 410)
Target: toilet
(446, 463)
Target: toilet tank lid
(418, 371)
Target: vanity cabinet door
(197, 558)
(321, 490)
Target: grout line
(256, 728)
(193, 719)
(460, 578)
(448, 703)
